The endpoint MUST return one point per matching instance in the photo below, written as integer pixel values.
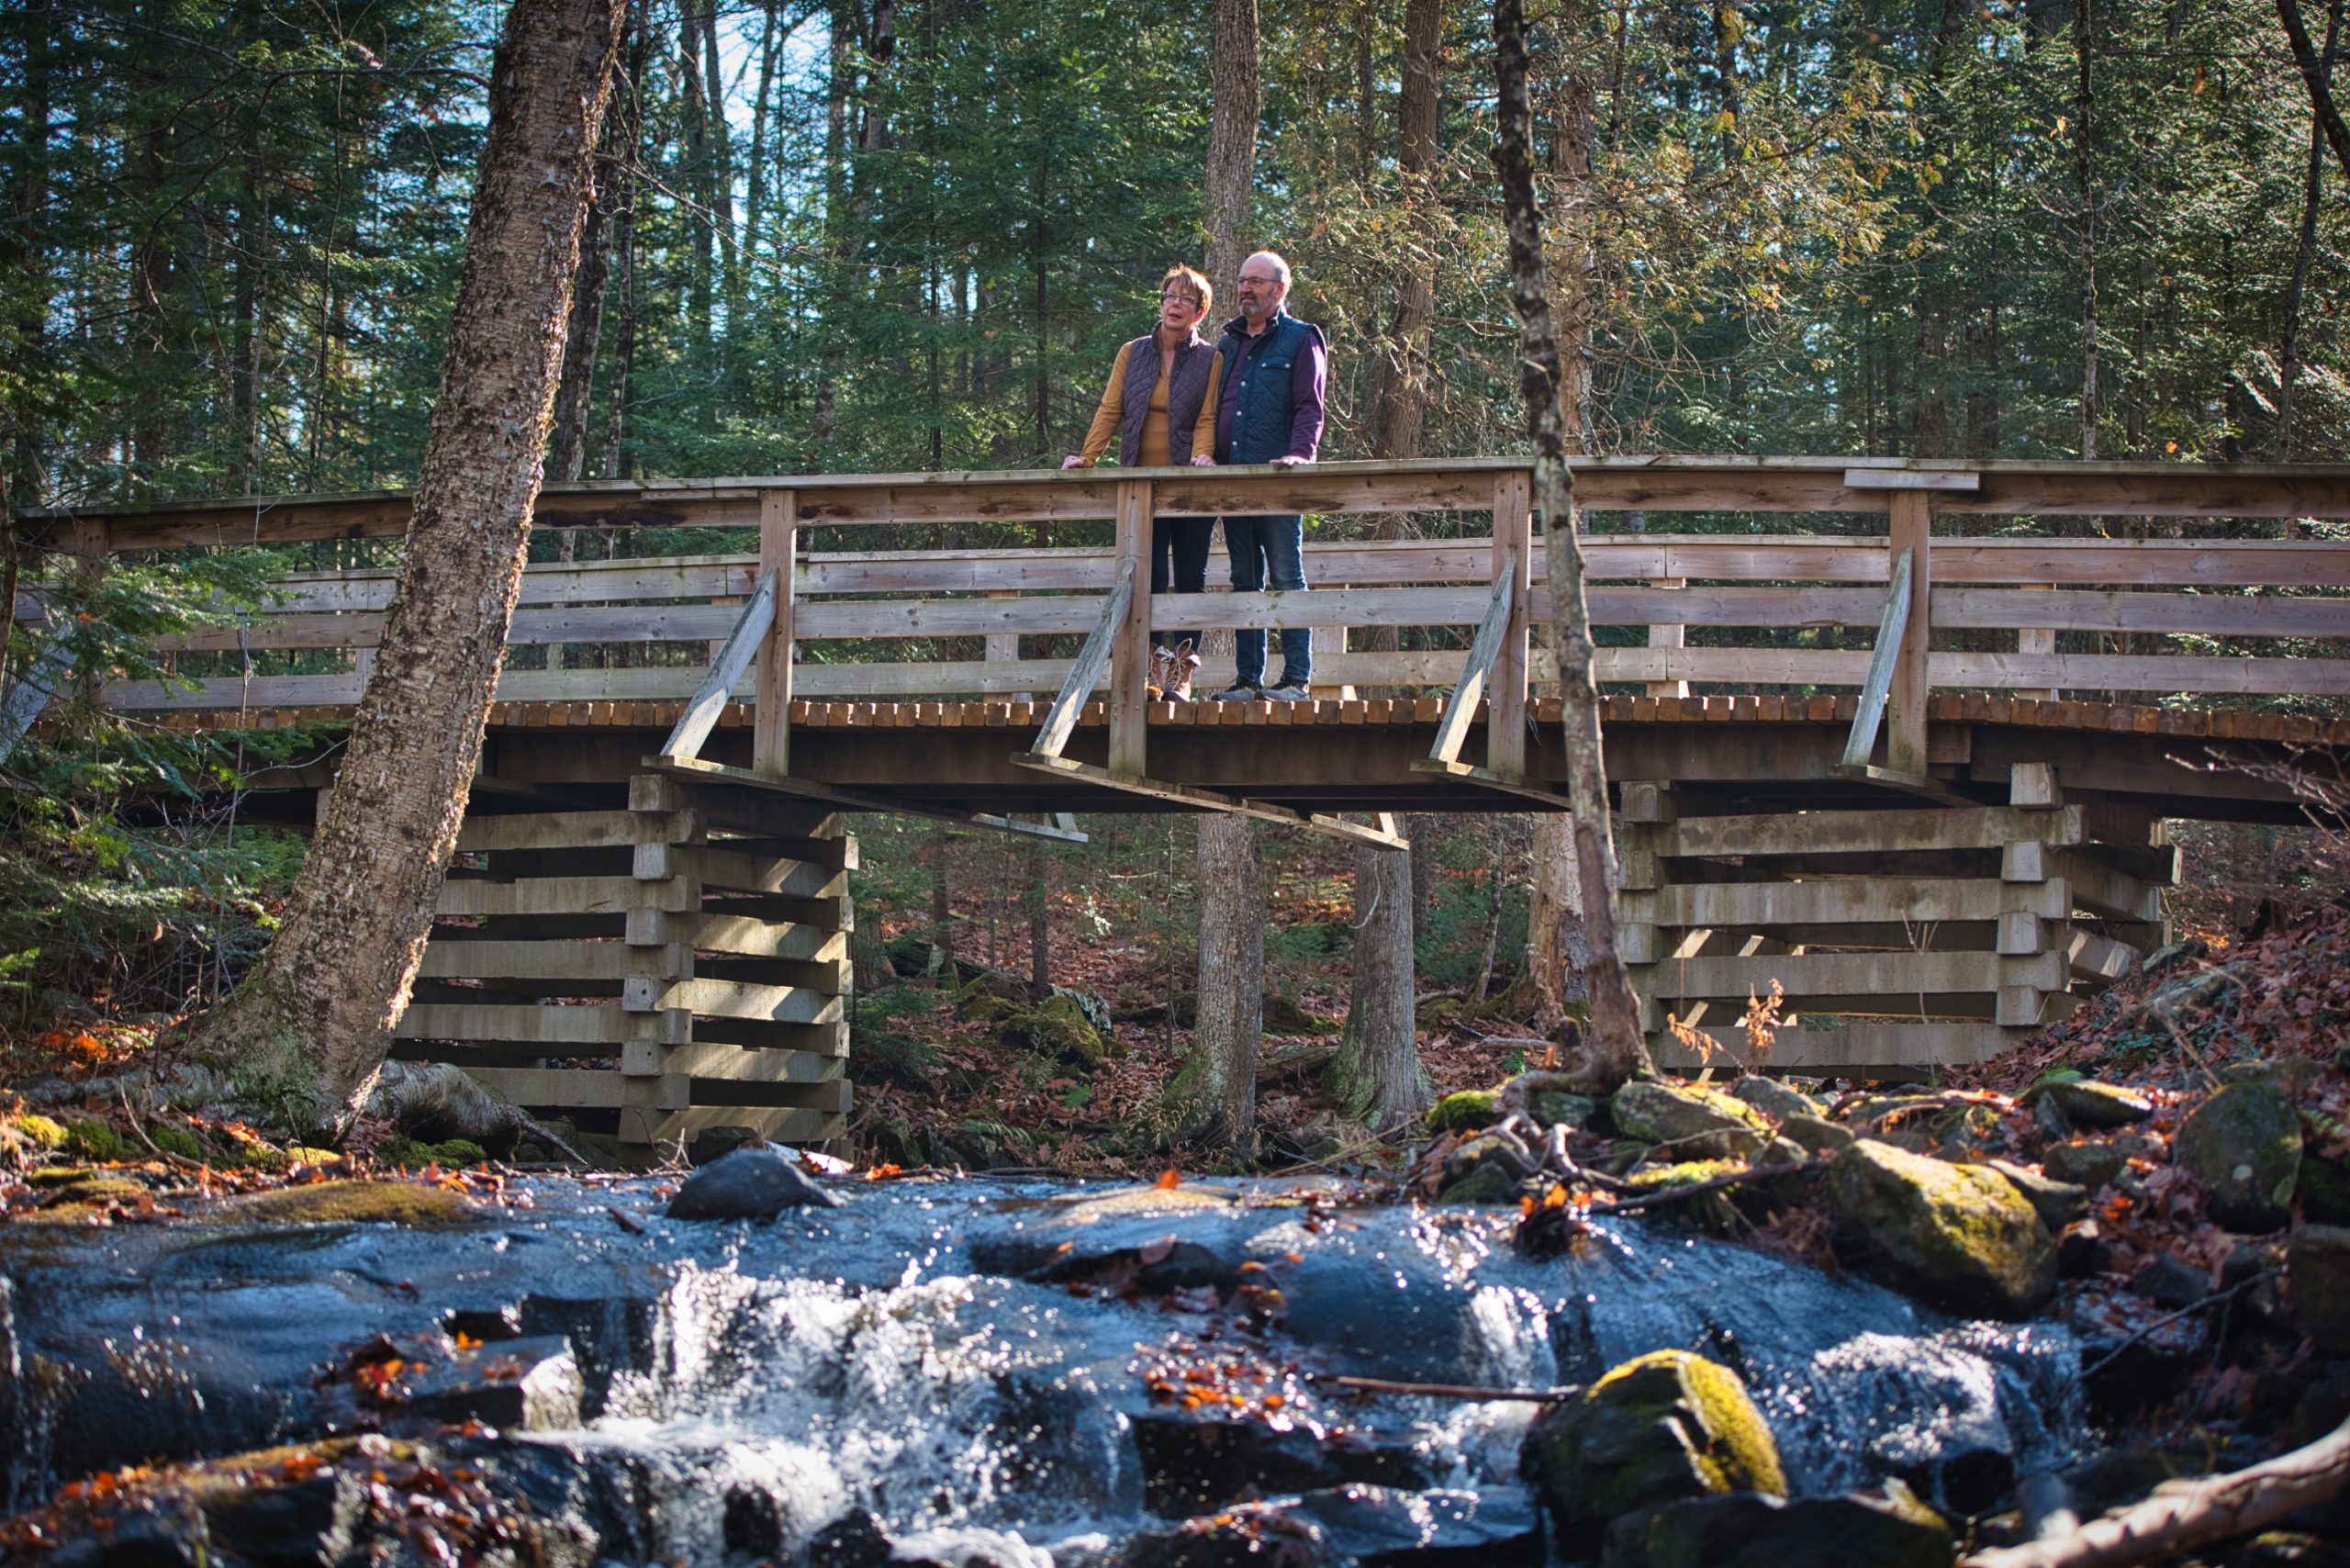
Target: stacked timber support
(651, 971)
(1905, 939)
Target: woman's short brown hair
(1193, 282)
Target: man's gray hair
(1280, 266)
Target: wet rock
(1770, 1095)
(1252, 1536)
(1744, 1531)
(750, 1183)
(1959, 1234)
(1493, 1149)
(483, 1323)
(1660, 1428)
(1488, 1184)
(2082, 1252)
(1192, 1465)
(752, 1526)
(715, 1143)
(2290, 1549)
(1466, 1109)
(1700, 1123)
(853, 1540)
(1378, 1526)
(2324, 1188)
(2085, 1103)
(2089, 1165)
(525, 1385)
(302, 1523)
(138, 1541)
(2243, 1146)
(2172, 1283)
(1816, 1134)
(2318, 1269)
(2057, 1202)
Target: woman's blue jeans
(1269, 553)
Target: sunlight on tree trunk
(1377, 1079)
(307, 1030)
(1616, 1050)
(1217, 1091)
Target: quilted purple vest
(1187, 388)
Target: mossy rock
(457, 1152)
(89, 1139)
(1283, 1016)
(909, 955)
(1484, 1150)
(1745, 1530)
(1055, 1028)
(1816, 1134)
(1700, 1123)
(176, 1140)
(1661, 1428)
(986, 1008)
(1465, 1109)
(1555, 1107)
(43, 1132)
(2324, 1188)
(2088, 1103)
(2243, 1146)
(2091, 1164)
(1774, 1097)
(91, 1190)
(1961, 1236)
(1711, 1211)
(349, 1202)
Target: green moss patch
(1467, 1109)
(348, 1202)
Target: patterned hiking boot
(1182, 663)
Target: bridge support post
(771, 715)
(1506, 687)
(1905, 733)
(1130, 645)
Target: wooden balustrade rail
(2016, 615)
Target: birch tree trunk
(307, 1030)
(1616, 1049)
(1377, 1079)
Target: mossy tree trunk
(308, 1029)
(1377, 1078)
(1618, 1051)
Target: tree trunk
(307, 1030)
(2305, 253)
(1401, 416)
(2314, 76)
(618, 463)
(1556, 952)
(1040, 912)
(1232, 143)
(2084, 194)
(942, 911)
(1377, 1079)
(568, 439)
(1616, 1050)
(1217, 1089)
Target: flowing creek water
(971, 1363)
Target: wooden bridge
(1901, 736)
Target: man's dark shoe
(1288, 691)
(1237, 694)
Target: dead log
(2184, 1515)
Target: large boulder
(2243, 1146)
(1660, 1428)
(1743, 1530)
(1465, 1109)
(756, 1181)
(1961, 1236)
(1700, 1123)
(1055, 1028)
(2317, 1266)
(1770, 1095)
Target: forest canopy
(897, 234)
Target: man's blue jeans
(1269, 551)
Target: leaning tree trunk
(1616, 1050)
(1377, 1079)
(1217, 1091)
(308, 1028)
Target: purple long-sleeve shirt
(1308, 378)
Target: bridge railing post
(1905, 734)
(771, 712)
(1506, 687)
(1130, 646)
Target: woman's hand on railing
(1201, 460)
(1072, 461)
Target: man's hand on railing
(1291, 460)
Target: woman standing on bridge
(1160, 404)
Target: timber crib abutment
(650, 972)
(1904, 938)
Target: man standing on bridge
(1275, 368)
